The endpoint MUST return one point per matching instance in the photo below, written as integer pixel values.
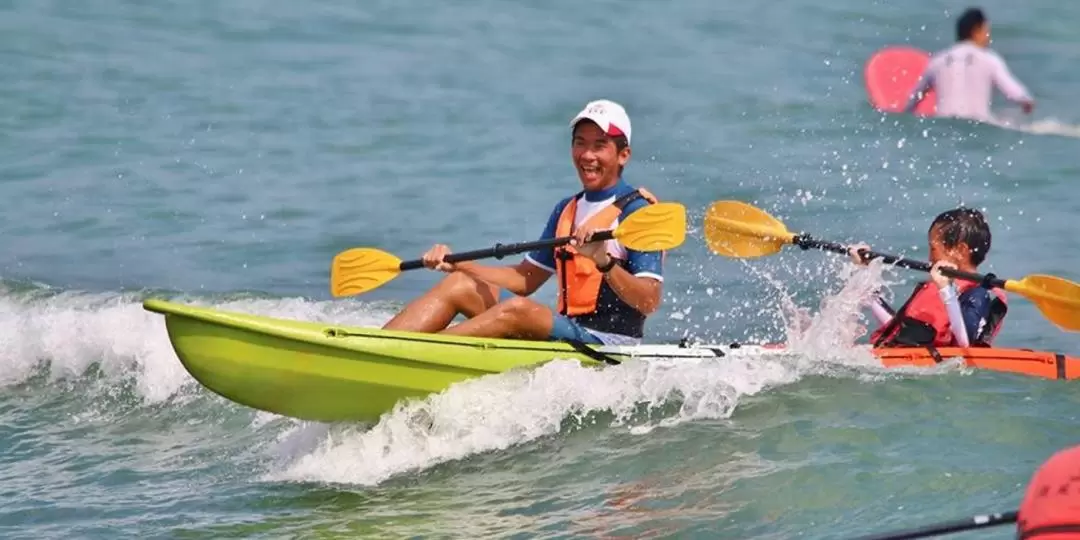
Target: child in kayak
(942, 312)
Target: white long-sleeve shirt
(963, 77)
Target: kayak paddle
(949, 527)
(737, 229)
(654, 227)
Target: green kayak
(330, 373)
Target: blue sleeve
(975, 308)
(545, 257)
(643, 262)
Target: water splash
(71, 335)
(1044, 126)
(501, 411)
(840, 319)
(498, 412)
(66, 334)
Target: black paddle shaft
(989, 280)
(499, 251)
(949, 527)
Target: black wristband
(607, 267)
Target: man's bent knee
(518, 306)
(531, 317)
(468, 294)
(460, 283)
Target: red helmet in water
(1051, 506)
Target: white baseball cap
(610, 116)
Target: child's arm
(882, 312)
(956, 316)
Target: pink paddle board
(891, 74)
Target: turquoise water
(224, 152)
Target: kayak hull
(327, 373)
(332, 373)
(298, 379)
(1042, 364)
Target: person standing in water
(964, 75)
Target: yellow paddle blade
(358, 270)
(654, 227)
(1058, 299)
(737, 229)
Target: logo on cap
(610, 116)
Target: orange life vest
(924, 321)
(581, 284)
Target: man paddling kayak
(941, 312)
(605, 291)
(964, 75)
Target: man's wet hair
(966, 225)
(971, 19)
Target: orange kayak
(1045, 364)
